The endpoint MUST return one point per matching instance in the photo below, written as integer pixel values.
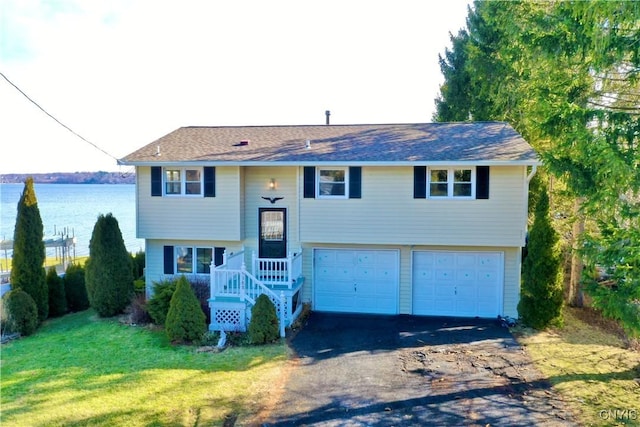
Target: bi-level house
(421, 219)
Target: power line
(56, 120)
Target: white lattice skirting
(228, 316)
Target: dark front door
(273, 233)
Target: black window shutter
(156, 181)
(209, 181)
(482, 182)
(309, 187)
(168, 260)
(218, 256)
(419, 182)
(355, 182)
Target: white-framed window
(183, 181)
(187, 263)
(452, 182)
(332, 182)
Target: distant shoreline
(70, 178)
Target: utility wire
(57, 121)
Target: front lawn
(588, 362)
(81, 370)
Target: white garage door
(465, 284)
(356, 281)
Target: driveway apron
(362, 370)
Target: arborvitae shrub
(185, 319)
(263, 327)
(75, 289)
(57, 297)
(108, 273)
(27, 262)
(541, 294)
(19, 312)
(158, 304)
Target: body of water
(74, 209)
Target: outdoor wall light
(272, 184)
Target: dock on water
(63, 244)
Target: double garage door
(444, 283)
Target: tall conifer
(541, 296)
(108, 273)
(27, 262)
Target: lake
(74, 208)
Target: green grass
(590, 366)
(80, 370)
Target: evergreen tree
(57, 296)
(541, 294)
(263, 327)
(75, 289)
(27, 262)
(186, 322)
(108, 274)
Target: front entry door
(273, 233)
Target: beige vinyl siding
(387, 213)
(180, 217)
(256, 181)
(512, 268)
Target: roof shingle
(492, 142)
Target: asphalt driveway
(360, 370)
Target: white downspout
(534, 168)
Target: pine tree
(108, 274)
(186, 321)
(27, 262)
(541, 295)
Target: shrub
(158, 304)
(19, 312)
(57, 297)
(202, 288)
(108, 273)
(137, 311)
(185, 319)
(75, 289)
(27, 271)
(139, 286)
(541, 296)
(263, 327)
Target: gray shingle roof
(481, 142)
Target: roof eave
(527, 162)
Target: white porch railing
(232, 281)
(278, 271)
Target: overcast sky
(122, 73)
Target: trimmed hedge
(57, 296)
